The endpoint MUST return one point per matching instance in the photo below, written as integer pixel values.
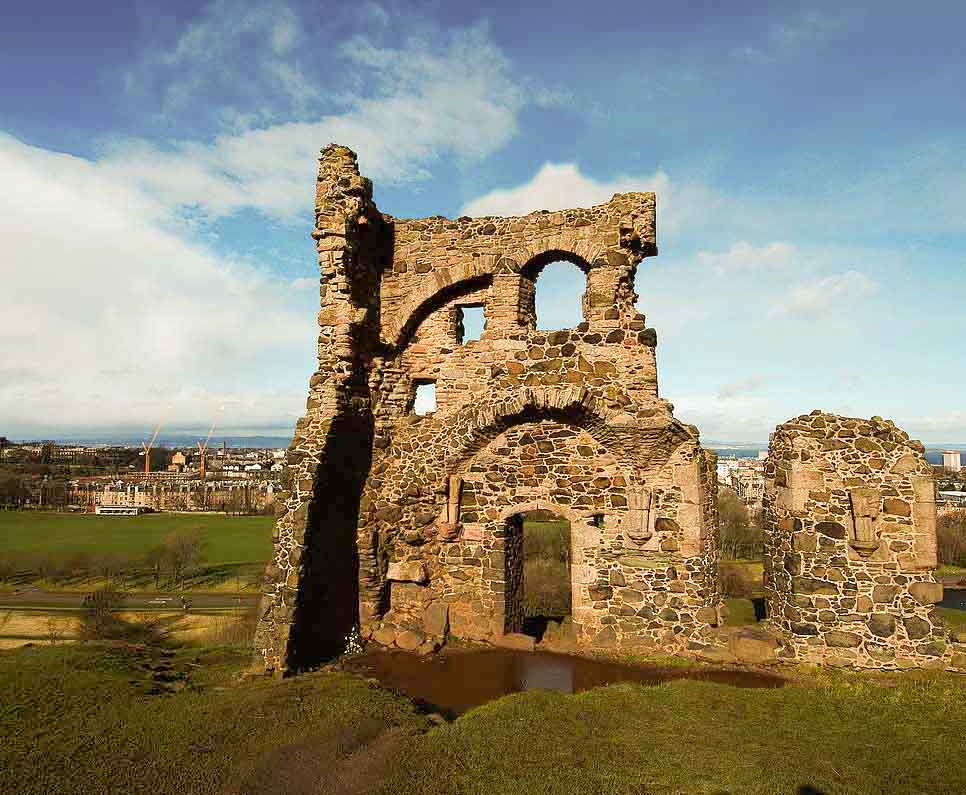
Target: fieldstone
(831, 529)
(810, 585)
(600, 593)
(917, 628)
(883, 594)
(935, 649)
(882, 625)
(839, 639)
(883, 654)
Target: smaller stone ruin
(850, 545)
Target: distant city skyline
(159, 165)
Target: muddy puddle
(454, 681)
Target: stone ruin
(409, 528)
(850, 545)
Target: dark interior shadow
(761, 608)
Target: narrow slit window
(425, 402)
(470, 321)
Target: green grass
(84, 719)
(954, 619)
(846, 735)
(227, 538)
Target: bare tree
(184, 549)
(155, 559)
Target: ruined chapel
(409, 527)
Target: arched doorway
(538, 588)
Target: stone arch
(438, 282)
(568, 513)
(416, 313)
(464, 434)
(533, 266)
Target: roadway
(34, 598)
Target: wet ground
(457, 680)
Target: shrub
(740, 535)
(99, 622)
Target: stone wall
(409, 528)
(851, 546)
(421, 513)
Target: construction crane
(147, 449)
(203, 452)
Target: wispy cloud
(450, 96)
(811, 299)
(744, 256)
(799, 33)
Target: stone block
(926, 593)
(407, 571)
(436, 619)
(515, 641)
(408, 640)
(384, 636)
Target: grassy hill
(95, 718)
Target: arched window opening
(559, 296)
(425, 400)
(470, 322)
(537, 555)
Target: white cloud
(111, 318)
(305, 283)
(557, 186)
(743, 256)
(810, 299)
(451, 95)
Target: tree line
(175, 558)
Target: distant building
(952, 460)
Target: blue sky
(159, 159)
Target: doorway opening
(538, 555)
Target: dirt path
(350, 764)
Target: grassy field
(91, 718)
(228, 539)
